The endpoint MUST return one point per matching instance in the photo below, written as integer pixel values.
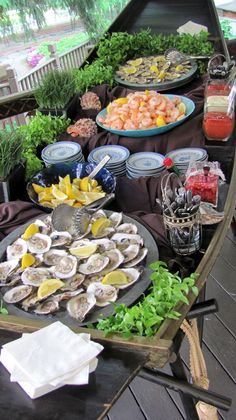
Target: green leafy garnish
(145, 318)
(3, 311)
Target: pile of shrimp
(142, 110)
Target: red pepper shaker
(218, 120)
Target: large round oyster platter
(155, 72)
(125, 239)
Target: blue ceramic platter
(118, 154)
(184, 155)
(190, 106)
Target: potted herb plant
(56, 94)
(12, 171)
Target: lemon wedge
(48, 287)
(38, 189)
(160, 121)
(27, 260)
(99, 225)
(136, 62)
(130, 70)
(44, 196)
(121, 101)
(85, 184)
(154, 69)
(58, 194)
(182, 108)
(30, 231)
(84, 251)
(115, 277)
(47, 204)
(90, 197)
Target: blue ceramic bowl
(50, 175)
(190, 106)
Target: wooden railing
(68, 60)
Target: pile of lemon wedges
(77, 193)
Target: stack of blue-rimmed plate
(182, 157)
(144, 164)
(118, 154)
(62, 151)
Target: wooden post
(53, 54)
(14, 88)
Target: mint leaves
(146, 317)
(3, 311)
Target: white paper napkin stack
(191, 28)
(50, 358)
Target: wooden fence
(68, 60)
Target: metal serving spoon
(175, 56)
(76, 220)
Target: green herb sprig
(116, 48)
(3, 311)
(10, 151)
(41, 130)
(56, 89)
(145, 318)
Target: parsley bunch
(146, 317)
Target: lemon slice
(38, 189)
(130, 70)
(48, 287)
(99, 225)
(76, 181)
(85, 184)
(160, 121)
(30, 231)
(27, 260)
(90, 197)
(115, 277)
(58, 194)
(84, 251)
(56, 202)
(182, 108)
(121, 101)
(136, 62)
(44, 196)
(154, 69)
(77, 205)
(47, 204)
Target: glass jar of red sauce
(219, 116)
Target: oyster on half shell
(80, 305)
(116, 219)
(140, 257)
(60, 238)
(39, 243)
(35, 275)
(66, 267)
(17, 249)
(129, 238)
(47, 307)
(130, 252)
(116, 258)
(6, 268)
(18, 293)
(94, 264)
(53, 256)
(104, 293)
(127, 228)
(132, 275)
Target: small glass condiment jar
(219, 115)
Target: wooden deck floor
(146, 401)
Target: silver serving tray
(127, 296)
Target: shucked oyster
(127, 228)
(60, 238)
(39, 243)
(35, 275)
(132, 275)
(17, 249)
(47, 307)
(140, 257)
(104, 293)
(18, 293)
(94, 264)
(127, 238)
(80, 305)
(6, 268)
(104, 244)
(130, 252)
(116, 258)
(116, 218)
(53, 256)
(72, 283)
(66, 267)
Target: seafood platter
(49, 274)
(155, 72)
(145, 113)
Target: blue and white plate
(190, 106)
(62, 150)
(185, 155)
(118, 154)
(145, 161)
